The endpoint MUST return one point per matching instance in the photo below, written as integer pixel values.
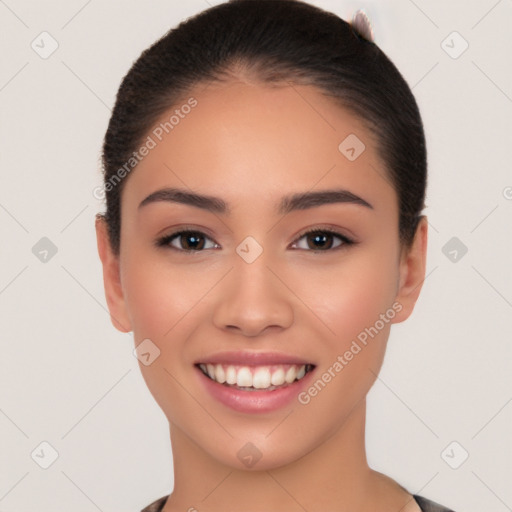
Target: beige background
(69, 379)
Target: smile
(252, 378)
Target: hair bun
(362, 26)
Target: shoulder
(156, 506)
(425, 504)
(429, 506)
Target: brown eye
(322, 240)
(186, 241)
(191, 241)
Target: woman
(265, 174)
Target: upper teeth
(259, 377)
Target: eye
(186, 240)
(321, 239)
(191, 240)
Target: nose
(253, 299)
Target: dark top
(424, 504)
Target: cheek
(163, 304)
(350, 296)
(158, 296)
(356, 302)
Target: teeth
(260, 377)
(277, 378)
(291, 374)
(211, 370)
(231, 375)
(220, 374)
(244, 377)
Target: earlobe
(412, 272)
(111, 278)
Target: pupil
(195, 241)
(321, 239)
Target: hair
(277, 43)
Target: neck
(333, 476)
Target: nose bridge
(251, 264)
(253, 277)
(253, 298)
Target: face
(282, 286)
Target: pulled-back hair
(275, 42)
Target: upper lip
(244, 357)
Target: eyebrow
(299, 201)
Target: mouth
(255, 377)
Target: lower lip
(254, 401)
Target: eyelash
(166, 240)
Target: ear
(412, 272)
(111, 278)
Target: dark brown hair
(277, 42)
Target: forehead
(255, 142)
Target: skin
(251, 144)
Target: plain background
(68, 378)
